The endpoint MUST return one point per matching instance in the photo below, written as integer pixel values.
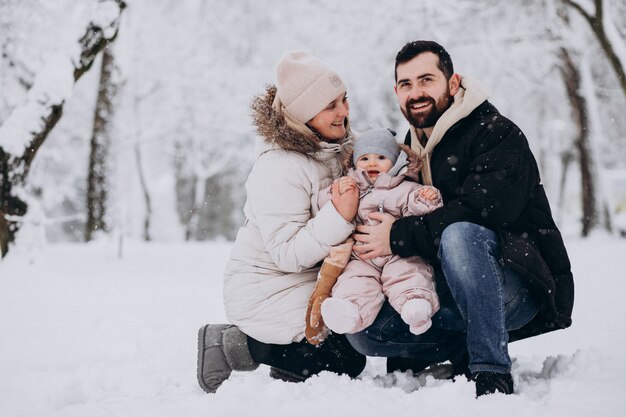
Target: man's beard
(429, 119)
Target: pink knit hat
(306, 85)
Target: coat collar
(384, 181)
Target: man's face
(423, 92)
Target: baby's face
(374, 164)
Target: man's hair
(413, 49)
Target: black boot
(491, 382)
(461, 367)
(286, 376)
(301, 360)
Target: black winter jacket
(488, 175)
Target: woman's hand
(345, 203)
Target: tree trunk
(571, 77)
(566, 159)
(97, 184)
(17, 150)
(146, 194)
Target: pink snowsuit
(366, 283)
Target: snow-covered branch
(26, 128)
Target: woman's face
(331, 122)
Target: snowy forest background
(153, 141)
(129, 122)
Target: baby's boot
(417, 313)
(341, 316)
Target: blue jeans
(480, 302)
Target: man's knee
(462, 238)
(455, 240)
(459, 232)
(465, 247)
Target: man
(504, 271)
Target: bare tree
(581, 92)
(606, 33)
(97, 186)
(572, 79)
(28, 126)
(198, 175)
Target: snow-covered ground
(85, 333)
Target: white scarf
(332, 154)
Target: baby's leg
(356, 299)
(409, 285)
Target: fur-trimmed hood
(272, 126)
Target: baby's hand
(427, 193)
(347, 183)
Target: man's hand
(347, 203)
(374, 239)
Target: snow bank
(86, 333)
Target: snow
(105, 14)
(85, 332)
(53, 85)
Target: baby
(380, 171)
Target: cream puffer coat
(275, 259)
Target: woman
(305, 135)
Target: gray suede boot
(222, 348)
